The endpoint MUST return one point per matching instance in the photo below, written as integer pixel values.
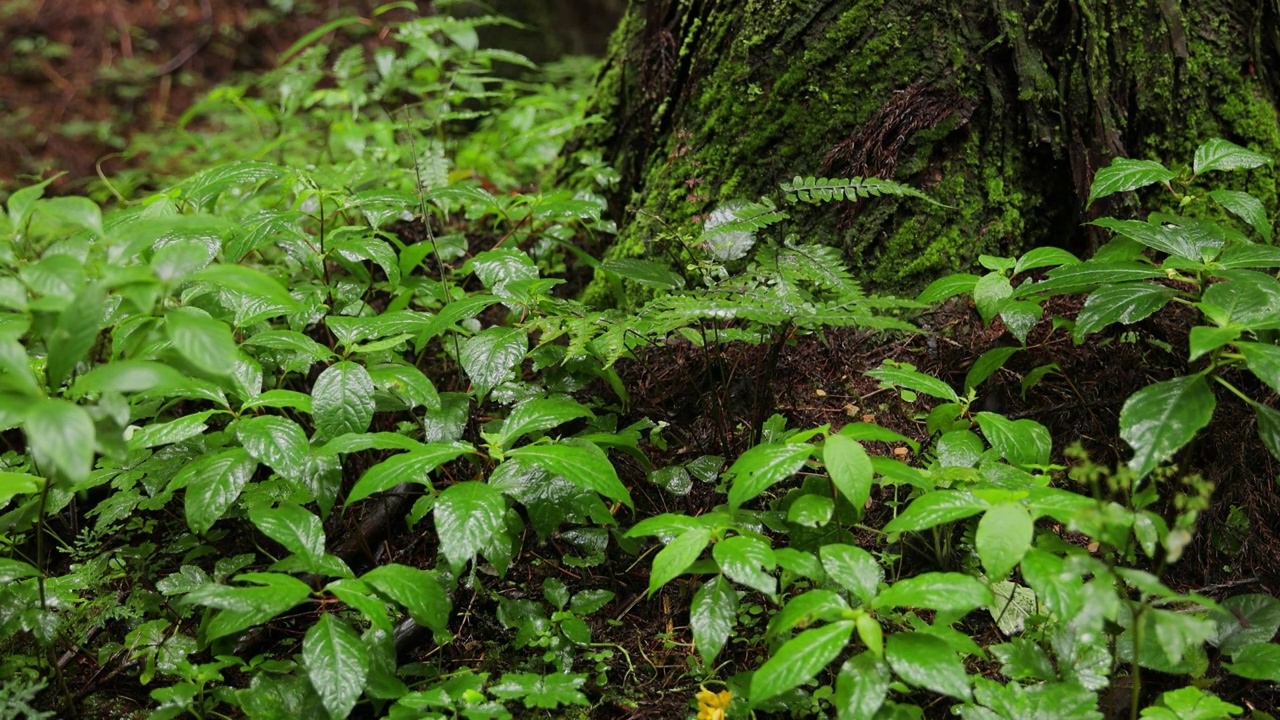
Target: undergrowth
(337, 312)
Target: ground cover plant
(308, 421)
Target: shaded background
(79, 78)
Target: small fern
(818, 190)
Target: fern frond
(818, 190)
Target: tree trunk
(1001, 109)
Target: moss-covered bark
(1002, 109)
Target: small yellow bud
(711, 706)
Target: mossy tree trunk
(1002, 109)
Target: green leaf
(468, 515)
(342, 400)
(989, 293)
(13, 484)
(711, 617)
(206, 186)
(764, 466)
(244, 607)
(1022, 442)
(948, 287)
(277, 442)
(1190, 703)
(1246, 207)
(355, 442)
(810, 510)
(906, 376)
(1250, 256)
(1126, 303)
(1244, 620)
(854, 568)
(129, 376)
(850, 469)
(1205, 339)
(987, 364)
(581, 463)
(1257, 662)
(15, 368)
(297, 529)
(414, 466)
(799, 660)
(490, 357)
(1219, 154)
(291, 341)
(1264, 361)
(677, 556)
(936, 508)
(945, 591)
(75, 333)
(78, 211)
(60, 437)
(1159, 419)
(204, 342)
(542, 691)
(537, 415)
(928, 662)
(407, 383)
(1168, 239)
(1013, 605)
(646, 272)
(1269, 428)
(1072, 279)
(748, 561)
(248, 281)
(213, 483)
(1044, 257)
(861, 687)
(1003, 537)
(1123, 175)
(157, 434)
(337, 663)
(417, 590)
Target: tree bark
(1001, 109)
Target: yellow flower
(711, 706)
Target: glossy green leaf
(1189, 703)
(468, 516)
(1219, 154)
(60, 437)
(1044, 257)
(987, 364)
(417, 590)
(539, 414)
(491, 356)
(1257, 662)
(850, 469)
(277, 442)
(203, 341)
(1264, 361)
(799, 660)
(861, 687)
(646, 272)
(747, 560)
(1159, 419)
(712, 616)
(1021, 442)
(928, 662)
(1205, 339)
(242, 607)
(1003, 537)
(356, 442)
(213, 483)
(79, 211)
(75, 333)
(1085, 276)
(936, 508)
(414, 466)
(157, 434)
(854, 569)
(297, 529)
(946, 591)
(907, 377)
(337, 663)
(129, 376)
(13, 484)
(1126, 303)
(948, 287)
(247, 280)
(989, 293)
(15, 369)
(581, 463)
(408, 383)
(1246, 207)
(959, 448)
(542, 691)
(764, 466)
(290, 341)
(342, 400)
(1123, 175)
(677, 556)
(1244, 620)
(810, 510)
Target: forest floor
(78, 80)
